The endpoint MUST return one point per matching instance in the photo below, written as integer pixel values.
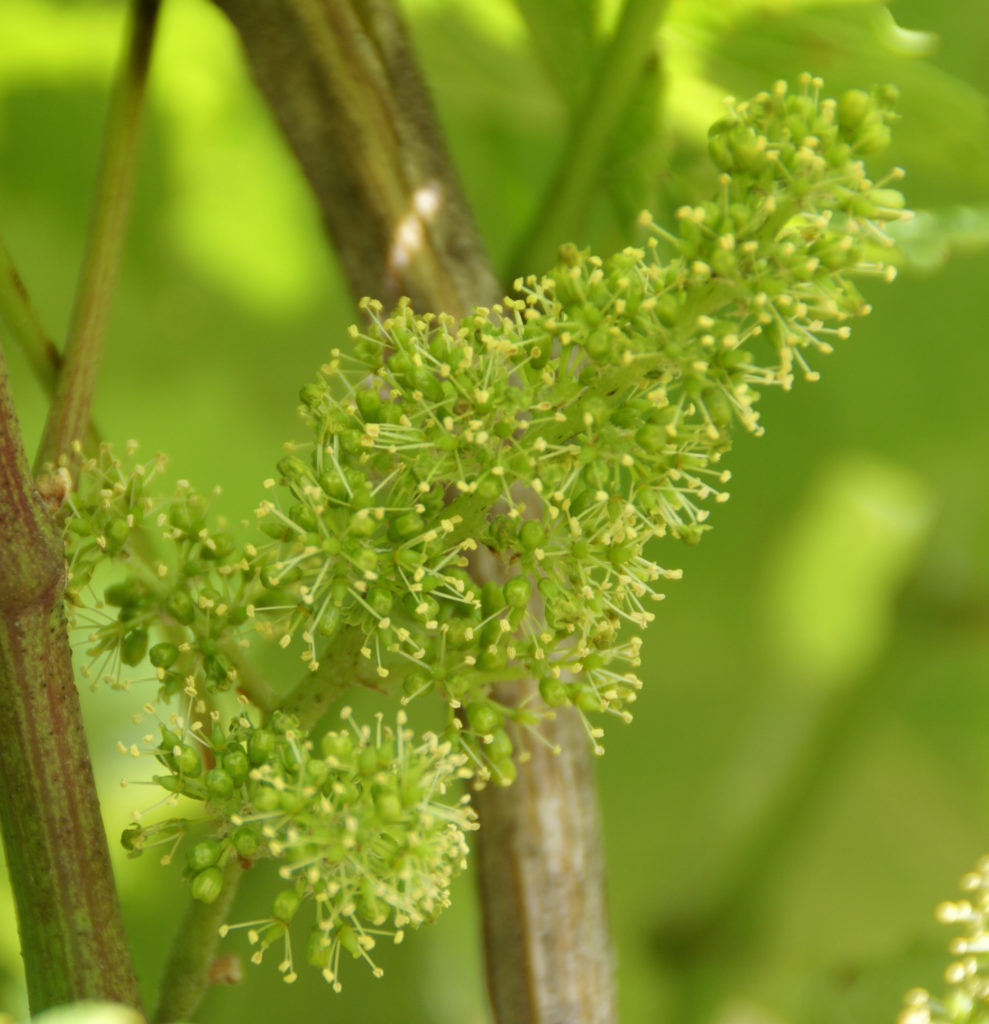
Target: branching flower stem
(28, 332)
(68, 415)
(186, 975)
(24, 324)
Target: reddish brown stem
(72, 934)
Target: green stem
(186, 976)
(72, 935)
(249, 680)
(591, 127)
(337, 671)
(25, 325)
(68, 416)
(17, 310)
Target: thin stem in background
(592, 125)
(68, 416)
(18, 312)
(71, 930)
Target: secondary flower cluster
(967, 1000)
(361, 822)
(193, 602)
(564, 428)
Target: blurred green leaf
(837, 567)
(565, 36)
(929, 240)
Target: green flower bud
(125, 594)
(319, 949)
(285, 904)
(347, 938)
(260, 746)
(181, 607)
(504, 772)
(553, 691)
(266, 799)
(163, 655)
(134, 646)
(329, 622)
(237, 765)
(853, 107)
(369, 403)
(296, 471)
(188, 762)
(207, 885)
(517, 592)
(218, 547)
(531, 535)
(338, 745)
(218, 784)
(388, 804)
(405, 526)
(416, 683)
(492, 598)
(484, 718)
(499, 746)
(245, 840)
(203, 855)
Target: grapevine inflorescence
(555, 435)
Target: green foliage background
(826, 654)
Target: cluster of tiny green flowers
(361, 823)
(183, 613)
(564, 428)
(967, 999)
(540, 445)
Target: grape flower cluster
(555, 435)
(967, 999)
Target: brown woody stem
(341, 80)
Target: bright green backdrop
(828, 649)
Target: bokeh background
(808, 771)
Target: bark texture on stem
(72, 934)
(541, 871)
(341, 79)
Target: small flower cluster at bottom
(364, 827)
(967, 1000)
